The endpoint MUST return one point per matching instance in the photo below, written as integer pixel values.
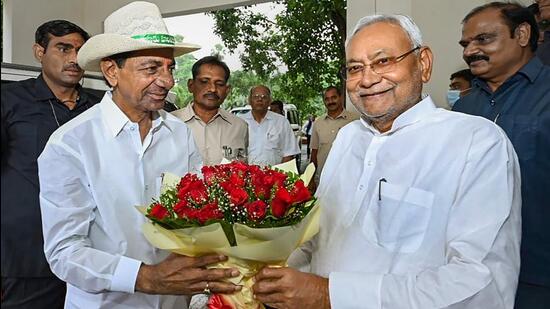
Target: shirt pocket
(398, 217)
(272, 141)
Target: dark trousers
(530, 296)
(33, 293)
(308, 137)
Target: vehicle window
(293, 117)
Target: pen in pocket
(380, 188)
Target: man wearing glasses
(421, 205)
(271, 138)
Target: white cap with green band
(135, 26)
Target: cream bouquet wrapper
(254, 249)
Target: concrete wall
(22, 17)
(99, 10)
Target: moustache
(72, 67)
(212, 95)
(472, 58)
(159, 93)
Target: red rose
(254, 169)
(217, 301)
(239, 166)
(209, 212)
(236, 180)
(256, 210)
(283, 195)
(262, 191)
(238, 196)
(209, 174)
(267, 180)
(300, 193)
(158, 211)
(257, 179)
(188, 183)
(198, 195)
(183, 190)
(191, 213)
(227, 186)
(278, 208)
(279, 178)
(181, 209)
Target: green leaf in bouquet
(229, 234)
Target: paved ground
(304, 158)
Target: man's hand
(289, 288)
(287, 158)
(180, 274)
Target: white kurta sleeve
(67, 208)
(289, 145)
(195, 158)
(301, 257)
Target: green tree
(181, 75)
(241, 82)
(219, 50)
(307, 37)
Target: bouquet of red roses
(254, 215)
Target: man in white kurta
(398, 233)
(271, 138)
(95, 169)
(420, 206)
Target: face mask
(452, 97)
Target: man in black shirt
(31, 110)
(512, 89)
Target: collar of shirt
(188, 113)
(414, 114)
(115, 118)
(343, 114)
(268, 116)
(530, 71)
(43, 93)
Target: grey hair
(404, 21)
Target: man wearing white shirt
(271, 138)
(420, 206)
(96, 168)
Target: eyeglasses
(378, 66)
(260, 96)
